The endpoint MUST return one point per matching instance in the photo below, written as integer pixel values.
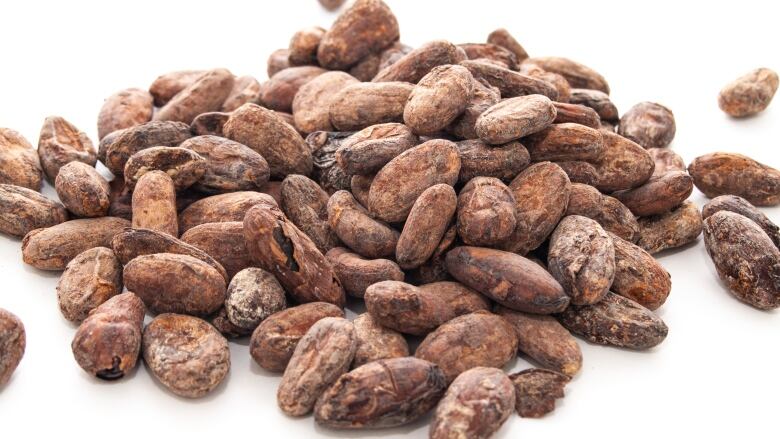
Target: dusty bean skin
(581, 258)
(649, 124)
(478, 159)
(277, 61)
(252, 296)
(749, 94)
(616, 321)
(486, 212)
(536, 391)
(580, 172)
(490, 52)
(154, 203)
(666, 160)
(222, 208)
(746, 259)
(119, 146)
(186, 354)
(169, 282)
(565, 142)
(228, 166)
(207, 93)
(368, 150)
(276, 245)
(367, 26)
(82, 190)
(439, 97)
(131, 243)
(324, 145)
(184, 166)
(60, 143)
(576, 113)
(311, 105)
(375, 342)
(23, 210)
(13, 341)
(658, 195)
(468, 341)
(168, 85)
(616, 218)
(397, 186)
(673, 229)
(278, 142)
(275, 339)
(544, 340)
(358, 230)
(507, 278)
(245, 89)
(476, 404)
(514, 118)
(733, 203)
(89, 280)
(541, 194)
(596, 100)
(303, 46)
(53, 247)
(19, 162)
(209, 124)
(224, 241)
(322, 355)
(124, 109)
(305, 204)
(357, 273)
(723, 173)
(502, 37)
(578, 75)
(483, 97)
(417, 63)
(624, 164)
(361, 105)
(427, 222)
(382, 394)
(419, 310)
(509, 83)
(279, 92)
(639, 276)
(107, 343)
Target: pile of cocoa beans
(468, 201)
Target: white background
(714, 376)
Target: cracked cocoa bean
(89, 280)
(537, 390)
(486, 212)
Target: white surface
(714, 376)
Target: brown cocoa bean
(483, 97)
(354, 226)
(124, 109)
(361, 105)
(228, 166)
(324, 146)
(623, 165)
(184, 166)
(417, 63)
(397, 186)
(478, 159)
(252, 296)
(439, 97)
(558, 82)
(277, 61)
(724, 173)
(503, 38)
(648, 124)
(61, 143)
(186, 354)
(666, 160)
(13, 341)
(23, 210)
(514, 118)
(381, 394)
(565, 142)
(206, 93)
(580, 172)
(245, 89)
(639, 276)
(168, 85)
(223, 241)
(305, 204)
(375, 342)
(746, 260)
(486, 212)
(476, 404)
(658, 195)
(53, 247)
(733, 203)
(536, 391)
(610, 213)
(596, 100)
(83, 190)
(219, 320)
(492, 52)
(154, 203)
(268, 134)
(578, 75)
(303, 46)
(673, 229)
(360, 185)
(509, 83)
(107, 343)
(19, 162)
(471, 340)
(368, 150)
(616, 321)
(576, 113)
(119, 146)
(209, 124)
(425, 226)
(357, 273)
(222, 208)
(311, 105)
(749, 94)
(279, 92)
(275, 339)
(509, 279)
(89, 280)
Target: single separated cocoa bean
(749, 94)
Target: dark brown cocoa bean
(596, 100)
(311, 105)
(222, 241)
(154, 203)
(639, 276)
(13, 341)
(486, 212)
(749, 94)
(275, 339)
(580, 172)
(206, 93)
(61, 143)
(478, 159)
(305, 204)
(119, 146)
(324, 145)
(623, 165)
(566, 142)
(107, 343)
(672, 229)
(578, 75)
(509, 279)
(357, 273)
(648, 124)
(124, 109)
(354, 226)
(733, 203)
(209, 124)
(361, 105)
(425, 226)
(616, 218)
(576, 113)
(23, 210)
(222, 208)
(229, 166)
(658, 195)
(724, 173)
(252, 296)
(375, 342)
(514, 118)
(89, 280)
(417, 63)
(537, 390)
